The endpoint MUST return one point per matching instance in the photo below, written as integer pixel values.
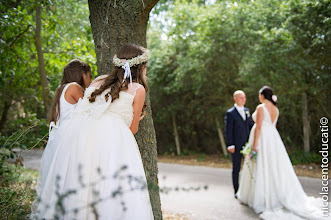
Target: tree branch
(149, 4)
(57, 52)
(18, 36)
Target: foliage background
(66, 35)
(203, 50)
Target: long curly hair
(72, 72)
(114, 80)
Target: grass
(17, 191)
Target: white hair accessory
(274, 98)
(127, 72)
(133, 61)
(126, 64)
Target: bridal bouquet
(250, 155)
(248, 152)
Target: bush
(300, 157)
(17, 191)
(30, 133)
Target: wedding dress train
(96, 171)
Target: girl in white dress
(269, 185)
(96, 170)
(76, 77)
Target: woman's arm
(138, 103)
(259, 118)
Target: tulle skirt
(92, 169)
(269, 184)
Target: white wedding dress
(66, 109)
(269, 185)
(96, 170)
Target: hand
(142, 116)
(232, 150)
(254, 149)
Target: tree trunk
(42, 71)
(4, 114)
(175, 133)
(221, 137)
(146, 140)
(305, 123)
(115, 23)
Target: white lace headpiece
(126, 64)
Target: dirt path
(308, 170)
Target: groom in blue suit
(238, 123)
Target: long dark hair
(115, 78)
(72, 72)
(267, 92)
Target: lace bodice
(266, 116)
(121, 107)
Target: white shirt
(241, 111)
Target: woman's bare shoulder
(259, 106)
(74, 87)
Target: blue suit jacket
(237, 129)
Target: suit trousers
(236, 163)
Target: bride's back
(270, 113)
(272, 110)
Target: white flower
(274, 98)
(133, 61)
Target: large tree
(42, 69)
(115, 23)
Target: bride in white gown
(269, 185)
(96, 170)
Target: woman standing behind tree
(97, 172)
(76, 77)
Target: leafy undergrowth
(299, 157)
(17, 191)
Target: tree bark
(4, 114)
(146, 140)
(115, 23)
(175, 133)
(305, 123)
(42, 71)
(221, 137)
